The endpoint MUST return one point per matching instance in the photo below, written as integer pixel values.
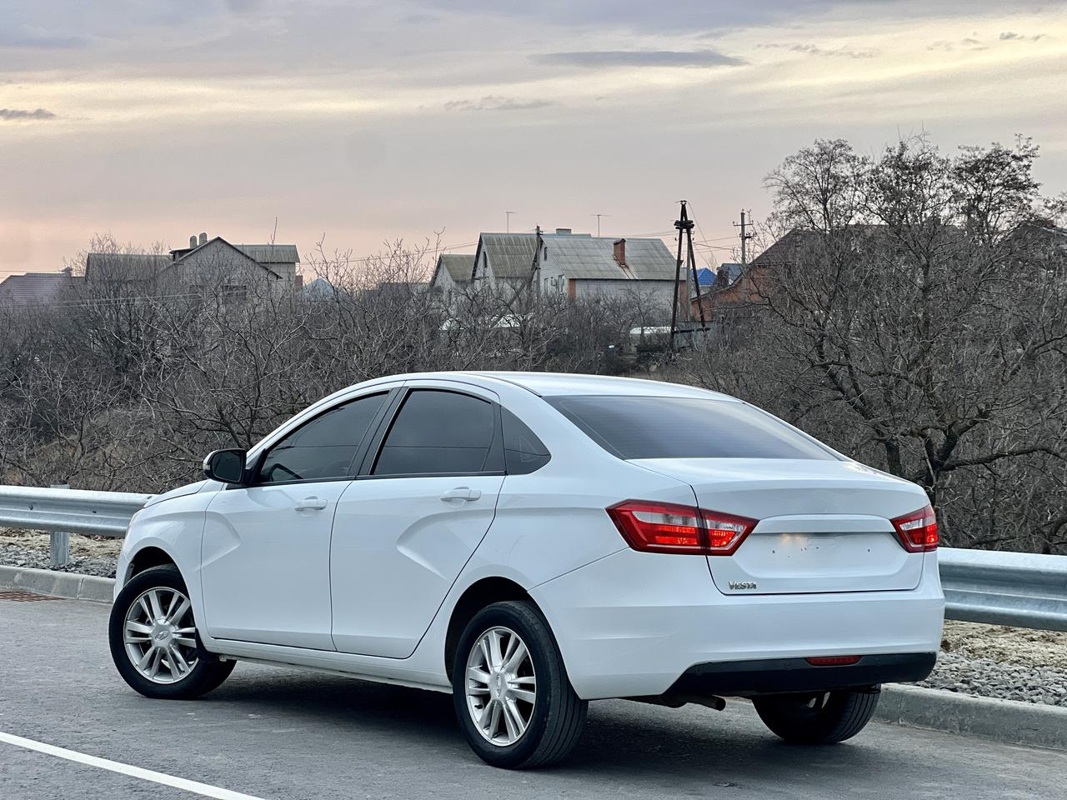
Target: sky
(351, 124)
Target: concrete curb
(69, 585)
(1007, 721)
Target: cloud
(19, 113)
(687, 16)
(967, 43)
(640, 58)
(494, 103)
(1011, 36)
(813, 50)
(39, 39)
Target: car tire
(513, 699)
(818, 717)
(154, 640)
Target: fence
(1020, 589)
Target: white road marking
(202, 789)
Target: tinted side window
(681, 427)
(523, 451)
(323, 448)
(438, 432)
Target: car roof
(549, 384)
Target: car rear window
(681, 427)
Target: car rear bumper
(633, 624)
(773, 676)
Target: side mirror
(227, 466)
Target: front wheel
(818, 717)
(154, 642)
(512, 697)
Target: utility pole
(745, 236)
(598, 216)
(508, 215)
(535, 267)
(684, 225)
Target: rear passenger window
(523, 451)
(439, 432)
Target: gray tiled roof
(459, 266)
(510, 254)
(271, 253)
(578, 256)
(33, 287)
(647, 259)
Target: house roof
(593, 259)
(511, 255)
(577, 255)
(33, 287)
(706, 276)
(270, 253)
(139, 267)
(783, 251)
(458, 265)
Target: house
(35, 288)
(726, 274)
(452, 275)
(212, 265)
(738, 286)
(572, 265)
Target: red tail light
(669, 528)
(918, 530)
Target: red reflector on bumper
(833, 661)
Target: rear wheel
(818, 717)
(154, 641)
(512, 697)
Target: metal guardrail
(1026, 590)
(69, 510)
(1020, 589)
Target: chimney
(620, 252)
(192, 242)
(563, 231)
(203, 239)
(722, 277)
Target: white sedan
(531, 542)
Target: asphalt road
(278, 733)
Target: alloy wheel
(160, 635)
(501, 686)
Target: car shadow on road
(634, 742)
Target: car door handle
(310, 504)
(461, 493)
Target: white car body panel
(823, 525)
(398, 547)
(630, 624)
(332, 590)
(174, 528)
(284, 598)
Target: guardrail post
(59, 541)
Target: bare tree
(915, 325)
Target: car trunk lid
(824, 526)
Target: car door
(406, 527)
(266, 546)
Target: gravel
(90, 555)
(983, 660)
